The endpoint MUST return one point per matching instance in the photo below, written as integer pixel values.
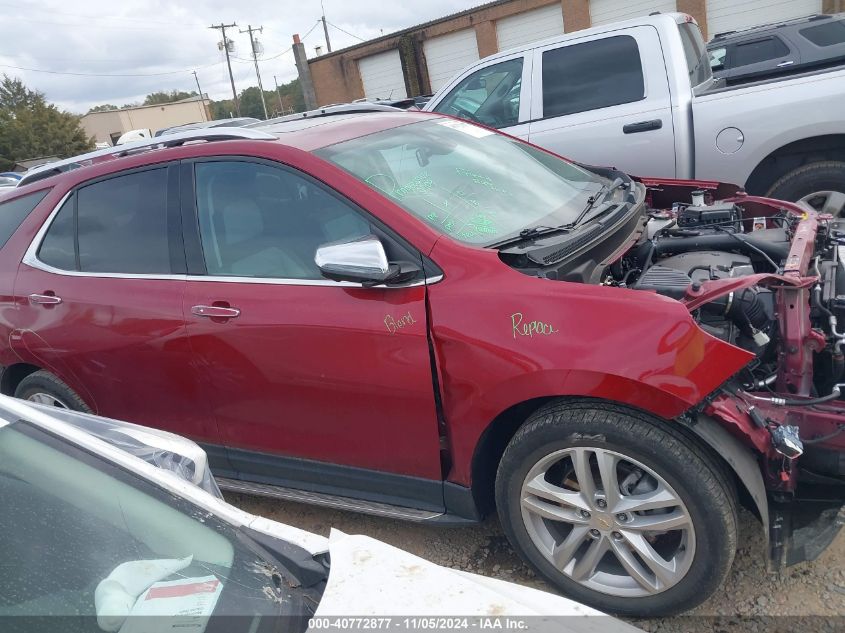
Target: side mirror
(363, 261)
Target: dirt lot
(810, 589)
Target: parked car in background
(406, 314)
(783, 48)
(9, 179)
(134, 135)
(640, 95)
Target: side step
(326, 500)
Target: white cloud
(157, 36)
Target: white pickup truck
(639, 95)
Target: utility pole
(223, 28)
(325, 28)
(205, 111)
(251, 30)
(279, 94)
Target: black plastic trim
(334, 479)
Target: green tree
(106, 107)
(30, 127)
(160, 97)
(250, 100)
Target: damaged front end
(775, 288)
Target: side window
(117, 225)
(122, 224)
(57, 249)
(758, 51)
(489, 96)
(592, 75)
(717, 58)
(261, 221)
(828, 34)
(13, 212)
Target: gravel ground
(809, 589)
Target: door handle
(45, 299)
(642, 126)
(215, 312)
(789, 63)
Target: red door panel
(119, 342)
(321, 372)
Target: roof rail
(771, 25)
(341, 108)
(170, 140)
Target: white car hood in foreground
(371, 578)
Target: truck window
(592, 75)
(695, 51)
(758, 51)
(489, 95)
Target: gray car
(783, 48)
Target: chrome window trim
(30, 258)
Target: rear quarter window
(758, 51)
(592, 75)
(828, 34)
(14, 212)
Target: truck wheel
(821, 185)
(616, 510)
(42, 387)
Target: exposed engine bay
(762, 275)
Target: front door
(303, 372)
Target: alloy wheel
(608, 522)
(830, 202)
(47, 400)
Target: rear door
(100, 301)
(604, 100)
(760, 56)
(313, 383)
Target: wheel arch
(792, 155)
(735, 459)
(13, 375)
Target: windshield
(469, 183)
(82, 537)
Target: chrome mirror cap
(363, 260)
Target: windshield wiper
(602, 194)
(525, 234)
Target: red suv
(410, 315)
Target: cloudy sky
(118, 51)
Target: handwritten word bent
(397, 324)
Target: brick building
(421, 59)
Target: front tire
(821, 185)
(617, 510)
(42, 387)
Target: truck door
(604, 100)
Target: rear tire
(42, 387)
(689, 493)
(821, 185)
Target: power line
(78, 74)
(347, 32)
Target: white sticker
(759, 224)
(186, 605)
(466, 128)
